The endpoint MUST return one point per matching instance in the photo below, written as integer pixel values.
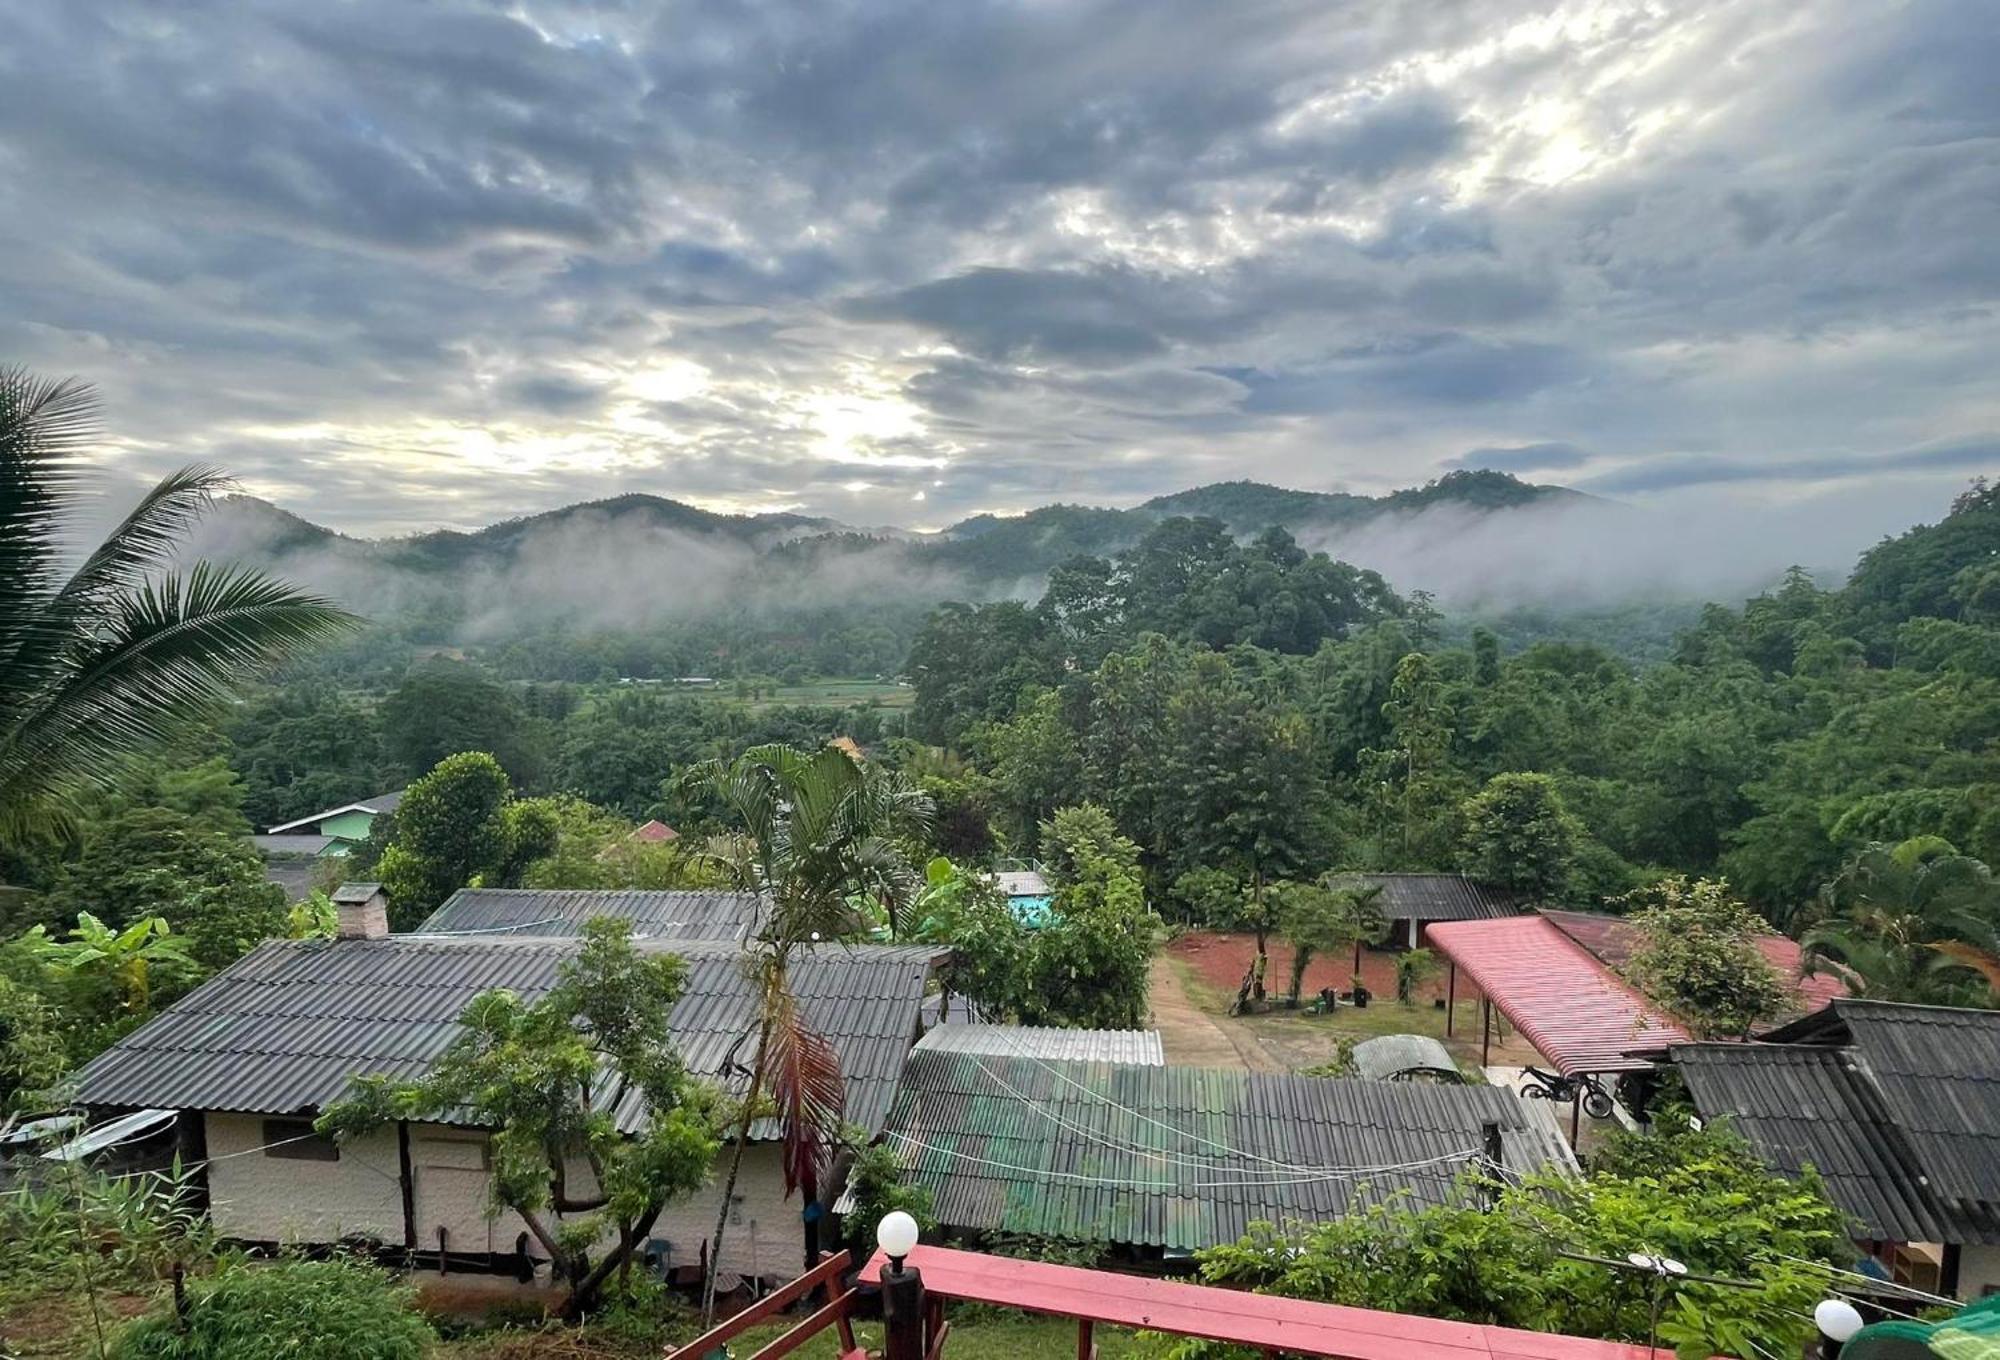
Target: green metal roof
(1185, 1157)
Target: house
(1412, 902)
(681, 915)
(1897, 1107)
(1164, 1160)
(1025, 885)
(345, 826)
(654, 832)
(252, 1056)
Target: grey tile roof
(1438, 897)
(1799, 1106)
(308, 846)
(283, 1028)
(1184, 1157)
(558, 912)
(1938, 1069)
(1140, 1046)
(1388, 1056)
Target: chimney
(363, 912)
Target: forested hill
(636, 559)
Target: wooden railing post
(902, 1313)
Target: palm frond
(159, 658)
(43, 427)
(811, 1096)
(143, 543)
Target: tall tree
(117, 654)
(1518, 835)
(813, 829)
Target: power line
(1208, 1162)
(1040, 1173)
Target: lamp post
(902, 1289)
(1838, 1321)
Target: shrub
(304, 1310)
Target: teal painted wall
(352, 826)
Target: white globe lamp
(896, 1234)
(1837, 1320)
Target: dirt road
(1191, 1037)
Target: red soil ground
(1221, 960)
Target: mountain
(638, 561)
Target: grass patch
(986, 1334)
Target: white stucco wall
(760, 1215)
(1978, 1272)
(260, 1198)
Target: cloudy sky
(400, 265)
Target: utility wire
(1208, 1161)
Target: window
(294, 1139)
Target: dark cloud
(410, 264)
(1555, 456)
(1980, 455)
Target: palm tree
(1916, 921)
(816, 829)
(108, 656)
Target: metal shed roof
(1573, 1009)
(1389, 1056)
(563, 911)
(284, 1028)
(1800, 1105)
(1185, 1157)
(1140, 1046)
(1614, 939)
(1437, 897)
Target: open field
(819, 693)
(1209, 966)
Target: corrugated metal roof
(1575, 1011)
(284, 1028)
(1388, 1056)
(1613, 939)
(563, 911)
(380, 803)
(1141, 1046)
(1185, 1157)
(291, 845)
(1437, 897)
(1938, 1069)
(1800, 1104)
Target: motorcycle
(1542, 1085)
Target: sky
(399, 265)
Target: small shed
(1411, 903)
(1405, 1057)
(1577, 1013)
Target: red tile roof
(1576, 1012)
(655, 831)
